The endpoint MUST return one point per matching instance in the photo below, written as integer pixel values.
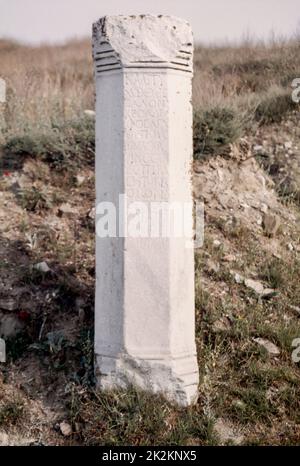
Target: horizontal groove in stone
(178, 63)
(108, 64)
(158, 67)
(101, 59)
(185, 51)
(109, 69)
(104, 51)
(141, 67)
(150, 61)
(180, 57)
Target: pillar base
(177, 379)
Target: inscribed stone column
(144, 316)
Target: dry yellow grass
(53, 84)
(46, 85)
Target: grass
(133, 417)
(274, 106)
(11, 413)
(49, 92)
(246, 385)
(214, 129)
(66, 145)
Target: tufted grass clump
(61, 145)
(215, 128)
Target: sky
(213, 21)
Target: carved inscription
(146, 136)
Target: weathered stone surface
(222, 325)
(42, 267)
(66, 210)
(254, 285)
(65, 428)
(144, 319)
(272, 349)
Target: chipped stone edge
(114, 50)
(176, 379)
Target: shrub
(274, 106)
(215, 128)
(11, 412)
(61, 145)
(34, 200)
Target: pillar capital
(144, 41)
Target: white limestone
(144, 317)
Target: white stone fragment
(144, 316)
(254, 285)
(272, 349)
(216, 243)
(90, 114)
(65, 428)
(42, 267)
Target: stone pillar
(144, 316)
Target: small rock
(229, 258)
(254, 285)
(65, 428)
(288, 145)
(90, 114)
(8, 304)
(268, 293)
(239, 404)
(263, 208)
(272, 349)
(262, 181)
(80, 179)
(259, 221)
(290, 247)
(271, 224)
(271, 393)
(212, 266)
(92, 213)
(295, 308)
(227, 434)
(4, 439)
(278, 256)
(222, 325)
(216, 243)
(259, 149)
(65, 210)
(237, 277)
(42, 267)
